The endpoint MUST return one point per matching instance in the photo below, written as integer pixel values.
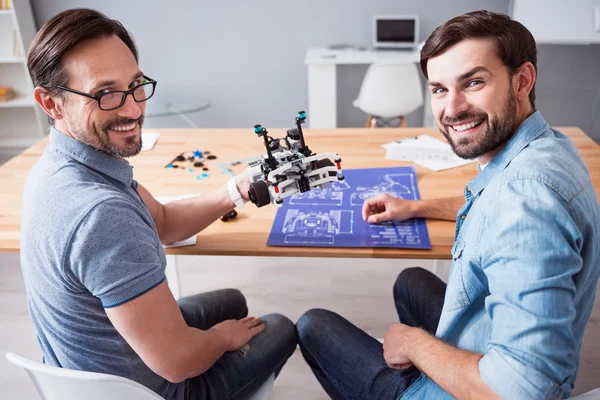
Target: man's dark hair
(515, 45)
(59, 35)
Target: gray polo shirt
(88, 243)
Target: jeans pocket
(456, 294)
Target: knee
(313, 323)
(237, 300)
(406, 280)
(279, 323)
(281, 329)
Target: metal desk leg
(441, 269)
(436, 266)
(322, 96)
(173, 275)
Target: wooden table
(247, 235)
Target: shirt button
(463, 217)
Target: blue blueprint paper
(332, 217)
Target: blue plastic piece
(197, 153)
(191, 170)
(302, 115)
(258, 129)
(198, 177)
(205, 175)
(170, 166)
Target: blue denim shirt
(526, 260)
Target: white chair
(390, 91)
(53, 383)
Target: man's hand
(395, 346)
(243, 184)
(239, 332)
(384, 207)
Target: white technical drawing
(316, 227)
(394, 232)
(331, 196)
(401, 186)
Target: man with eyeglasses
(91, 250)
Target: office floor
(358, 289)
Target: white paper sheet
(425, 151)
(149, 140)
(167, 199)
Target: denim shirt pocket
(456, 294)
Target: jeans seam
(254, 379)
(332, 380)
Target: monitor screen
(396, 30)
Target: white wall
(247, 57)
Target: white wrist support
(235, 194)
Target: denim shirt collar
(98, 160)
(528, 131)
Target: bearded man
(91, 252)
(526, 255)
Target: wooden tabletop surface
(247, 235)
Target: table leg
(181, 115)
(173, 275)
(441, 268)
(322, 96)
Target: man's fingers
(401, 366)
(381, 217)
(374, 210)
(257, 329)
(365, 210)
(252, 323)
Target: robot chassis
(289, 167)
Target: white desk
(322, 80)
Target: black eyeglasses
(112, 100)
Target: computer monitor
(395, 31)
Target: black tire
(326, 162)
(259, 193)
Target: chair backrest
(390, 90)
(53, 383)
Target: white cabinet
(22, 123)
(559, 21)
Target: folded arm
(454, 370)
(153, 326)
(384, 207)
(531, 268)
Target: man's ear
(525, 79)
(48, 102)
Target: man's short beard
(133, 144)
(497, 133)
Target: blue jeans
(236, 375)
(348, 363)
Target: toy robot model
(289, 167)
